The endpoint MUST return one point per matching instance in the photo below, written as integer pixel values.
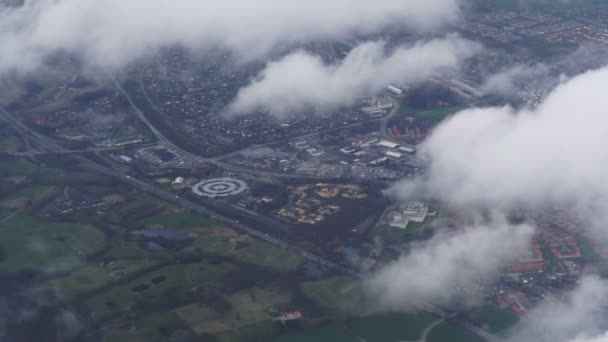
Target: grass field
(264, 254)
(391, 328)
(325, 334)
(119, 299)
(153, 327)
(341, 294)
(125, 131)
(16, 168)
(48, 175)
(24, 168)
(4, 213)
(11, 143)
(33, 192)
(254, 332)
(163, 181)
(31, 243)
(180, 221)
(432, 116)
(249, 307)
(94, 276)
(495, 319)
(449, 332)
(213, 238)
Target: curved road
(169, 144)
(51, 145)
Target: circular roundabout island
(219, 187)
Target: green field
(94, 276)
(48, 175)
(213, 238)
(17, 168)
(382, 328)
(326, 334)
(398, 235)
(179, 221)
(390, 328)
(449, 332)
(163, 181)
(264, 254)
(28, 242)
(152, 327)
(4, 213)
(253, 332)
(495, 319)
(120, 299)
(11, 143)
(341, 294)
(248, 308)
(32, 192)
(432, 116)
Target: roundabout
(219, 187)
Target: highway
(217, 160)
(51, 146)
(170, 145)
(80, 151)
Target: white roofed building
(388, 144)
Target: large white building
(394, 90)
(411, 212)
(388, 144)
(399, 221)
(395, 155)
(416, 211)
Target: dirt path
(427, 331)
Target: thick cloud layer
(508, 81)
(302, 81)
(111, 33)
(586, 338)
(553, 154)
(445, 269)
(579, 318)
(496, 157)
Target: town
(157, 214)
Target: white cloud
(497, 157)
(436, 272)
(586, 338)
(302, 81)
(509, 81)
(579, 318)
(112, 33)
